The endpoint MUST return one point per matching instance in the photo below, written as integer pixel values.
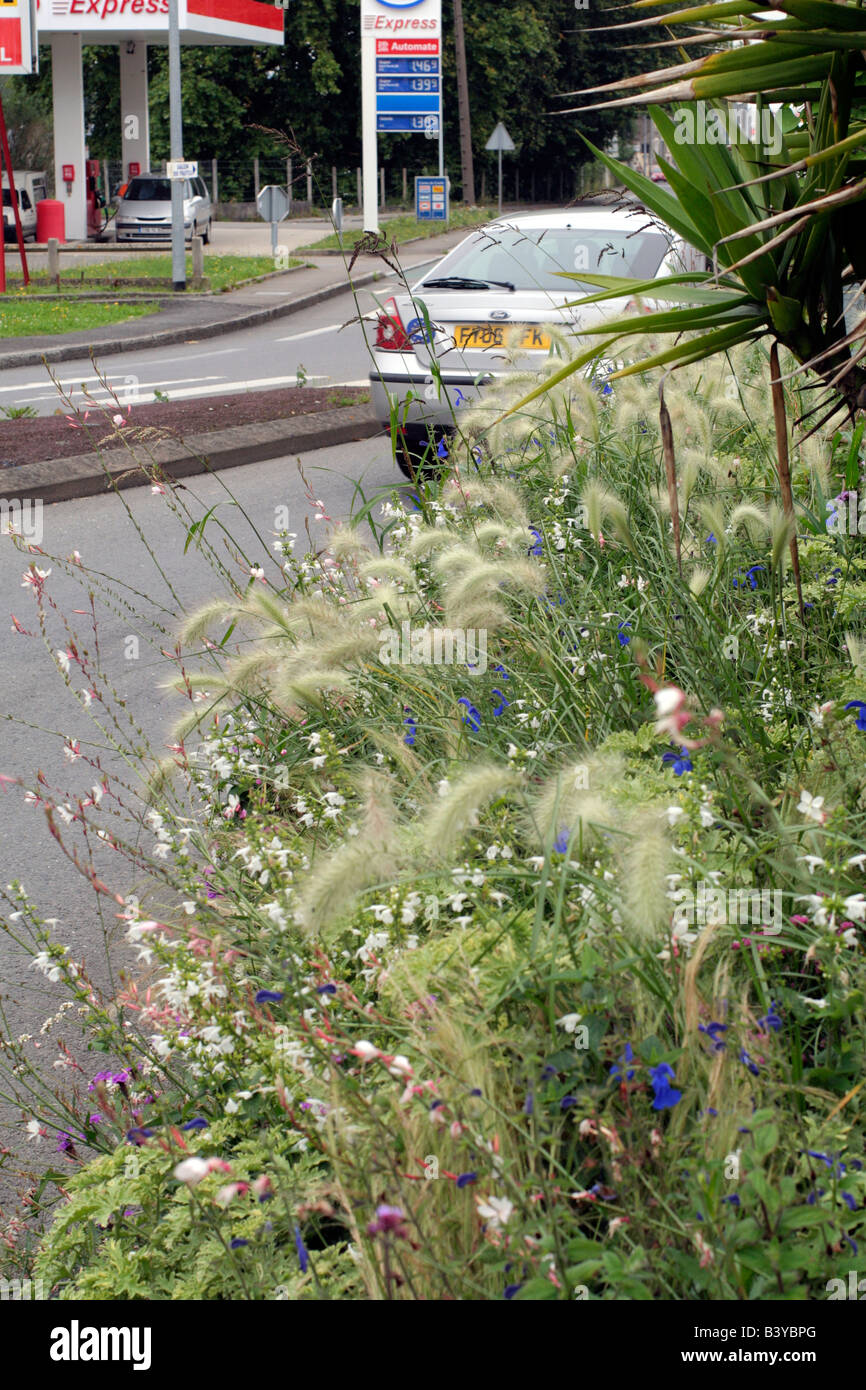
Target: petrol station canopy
(146, 21)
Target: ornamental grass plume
(574, 798)
(439, 827)
(647, 861)
(370, 857)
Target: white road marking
(311, 333)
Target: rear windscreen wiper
(459, 282)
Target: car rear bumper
(421, 401)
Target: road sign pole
(500, 183)
(178, 250)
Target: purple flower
(624, 639)
(502, 703)
(747, 1062)
(750, 576)
(511, 1290)
(849, 1201)
(411, 725)
(560, 844)
(567, 1102)
(529, 1103)
(269, 996)
(389, 1221)
(501, 671)
(303, 1257)
(326, 989)
(465, 1179)
(237, 1243)
(442, 449)
(537, 548)
(138, 1136)
(860, 706)
(197, 1123)
(733, 1200)
(666, 1095)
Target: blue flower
(733, 1200)
(269, 996)
(711, 540)
(560, 844)
(197, 1123)
(442, 449)
(750, 576)
(854, 1246)
(771, 1020)
(747, 1062)
(412, 724)
(859, 705)
(626, 1056)
(500, 670)
(326, 989)
(138, 1136)
(849, 1201)
(472, 716)
(681, 761)
(834, 578)
(464, 1179)
(813, 1196)
(666, 1096)
(303, 1257)
(512, 1289)
(623, 639)
(713, 1030)
(538, 547)
(502, 703)
(459, 398)
(567, 1102)
(529, 1103)
(237, 1243)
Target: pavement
(199, 317)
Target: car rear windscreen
(148, 191)
(534, 259)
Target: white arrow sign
(500, 140)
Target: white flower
(400, 1066)
(569, 1022)
(857, 861)
(707, 816)
(365, 1051)
(34, 1131)
(810, 806)
(673, 814)
(192, 1170)
(497, 1211)
(63, 662)
(813, 860)
(855, 908)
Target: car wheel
(206, 234)
(416, 457)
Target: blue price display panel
(415, 125)
(414, 85)
(411, 102)
(419, 67)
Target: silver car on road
(488, 307)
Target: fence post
(256, 185)
(310, 184)
(517, 184)
(54, 260)
(405, 185)
(214, 183)
(484, 185)
(359, 176)
(334, 191)
(382, 186)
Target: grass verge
(405, 227)
(19, 319)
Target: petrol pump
(95, 200)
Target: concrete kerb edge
(203, 453)
(65, 352)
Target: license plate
(494, 335)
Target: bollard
(54, 259)
(197, 262)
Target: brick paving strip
(177, 438)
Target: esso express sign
(384, 18)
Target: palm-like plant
(782, 232)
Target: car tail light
(637, 306)
(391, 336)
